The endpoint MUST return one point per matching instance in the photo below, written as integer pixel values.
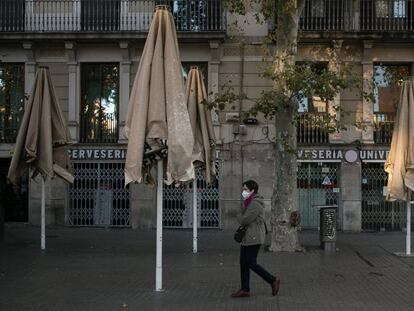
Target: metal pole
(408, 238)
(43, 218)
(158, 269)
(195, 221)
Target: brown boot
(240, 294)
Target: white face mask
(245, 194)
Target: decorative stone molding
(73, 90)
(367, 106)
(124, 87)
(30, 66)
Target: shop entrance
(178, 204)
(378, 214)
(98, 196)
(14, 198)
(318, 184)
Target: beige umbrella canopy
(42, 140)
(158, 118)
(157, 112)
(400, 160)
(201, 124)
(204, 141)
(43, 136)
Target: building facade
(93, 48)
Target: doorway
(14, 198)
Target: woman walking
(252, 217)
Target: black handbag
(239, 234)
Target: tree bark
(284, 236)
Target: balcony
(106, 16)
(383, 127)
(362, 16)
(311, 129)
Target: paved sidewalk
(113, 269)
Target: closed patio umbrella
(203, 132)
(42, 140)
(157, 118)
(400, 160)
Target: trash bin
(327, 226)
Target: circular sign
(351, 156)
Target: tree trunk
(284, 199)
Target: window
(382, 8)
(387, 82)
(388, 79)
(202, 66)
(312, 121)
(99, 111)
(194, 15)
(11, 100)
(399, 8)
(97, 15)
(313, 104)
(386, 8)
(318, 8)
(12, 15)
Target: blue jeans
(248, 261)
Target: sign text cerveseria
(96, 154)
(338, 155)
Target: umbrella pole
(158, 269)
(195, 221)
(408, 238)
(43, 218)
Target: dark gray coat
(252, 216)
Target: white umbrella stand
(408, 236)
(407, 252)
(195, 220)
(43, 217)
(158, 270)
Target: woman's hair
(251, 185)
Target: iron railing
(178, 203)
(106, 15)
(383, 127)
(98, 196)
(327, 15)
(386, 15)
(358, 15)
(311, 129)
(99, 128)
(9, 126)
(377, 213)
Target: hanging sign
(95, 154)
(339, 155)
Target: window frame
(83, 137)
(376, 99)
(12, 138)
